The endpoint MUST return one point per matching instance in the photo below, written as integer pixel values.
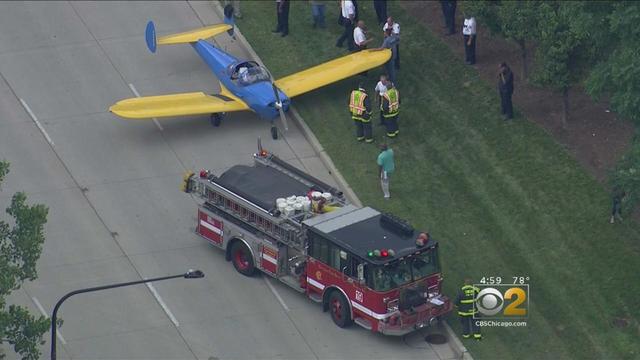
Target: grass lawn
(502, 198)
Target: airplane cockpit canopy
(248, 72)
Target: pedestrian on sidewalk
(505, 88)
(381, 10)
(616, 211)
(395, 30)
(449, 14)
(346, 19)
(386, 167)
(282, 12)
(469, 36)
(317, 12)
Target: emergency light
(381, 253)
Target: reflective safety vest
(356, 105)
(466, 297)
(392, 96)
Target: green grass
(502, 199)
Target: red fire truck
(362, 265)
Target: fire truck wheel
(242, 259)
(339, 309)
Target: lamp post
(191, 274)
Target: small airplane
(245, 85)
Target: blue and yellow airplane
(244, 84)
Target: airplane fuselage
(259, 96)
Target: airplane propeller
(279, 106)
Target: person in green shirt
(386, 166)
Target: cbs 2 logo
(490, 301)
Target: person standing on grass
(616, 211)
(347, 18)
(282, 11)
(395, 30)
(360, 36)
(390, 107)
(360, 109)
(464, 302)
(381, 10)
(390, 41)
(381, 89)
(236, 8)
(317, 11)
(505, 87)
(386, 167)
(469, 36)
(449, 14)
(229, 19)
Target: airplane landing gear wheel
(216, 119)
(274, 133)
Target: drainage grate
(436, 339)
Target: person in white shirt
(396, 31)
(360, 36)
(348, 14)
(381, 89)
(469, 35)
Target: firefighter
(390, 106)
(466, 296)
(360, 108)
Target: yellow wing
(332, 71)
(194, 35)
(177, 105)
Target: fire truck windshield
(398, 273)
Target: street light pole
(191, 274)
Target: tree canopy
(20, 247)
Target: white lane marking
(273, 290)
(163, 305)
(44, 313)
(35, 120)
(137, 94)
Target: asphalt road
(112, 186)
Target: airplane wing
(332, 71)
(194, 103)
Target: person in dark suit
(505, 87)
(381, 10)
(282, 11)
(449, 13)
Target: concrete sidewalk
(323, 169)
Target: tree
(618, 73)
(563, 52)
(513, 20)
(20, 249)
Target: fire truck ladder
(275, 162)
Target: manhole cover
(436, 339)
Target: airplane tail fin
(182, 38)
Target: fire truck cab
(362, 265)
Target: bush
(626, 175)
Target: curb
(455, 344)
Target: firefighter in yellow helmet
(390, 107)
(360, 108)
(464, 302)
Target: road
(112, 186)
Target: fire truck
(362, 265)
